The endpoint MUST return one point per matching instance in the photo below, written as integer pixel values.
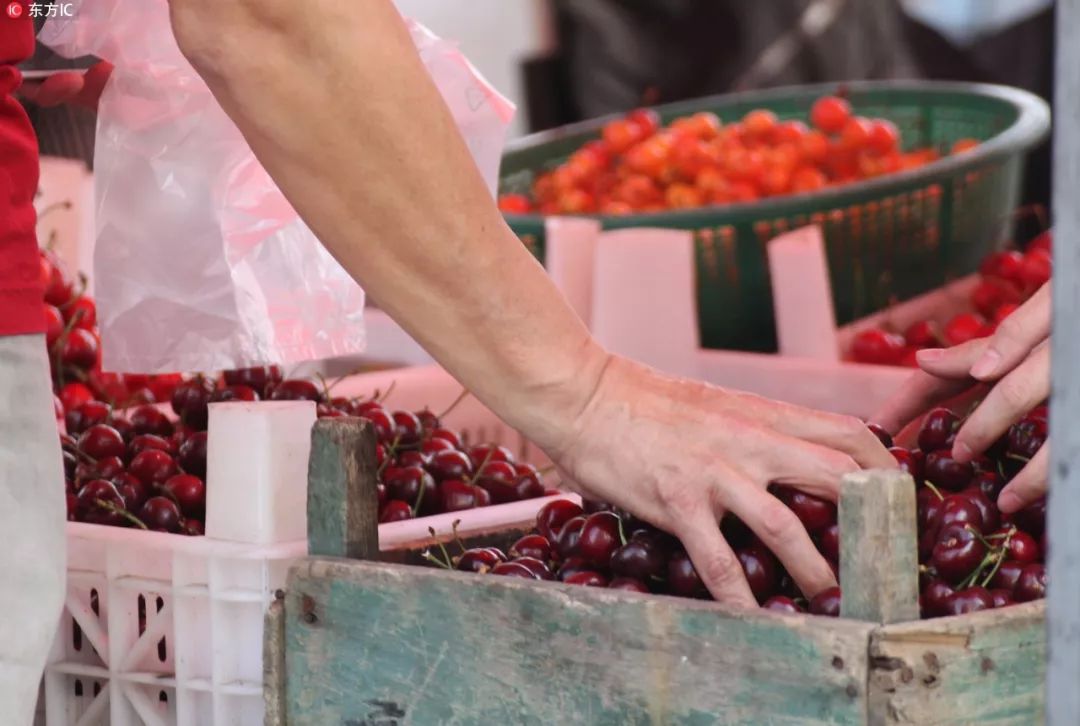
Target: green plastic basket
(888, 238)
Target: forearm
(339, 109)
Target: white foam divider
(802, 295)
(570, 245)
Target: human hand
(74, 87)
(681, 454)
(1016, 360)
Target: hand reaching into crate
(1015, 363)
(338, 107)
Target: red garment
(21, 286)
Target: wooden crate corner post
(878, 547)
(342, 502)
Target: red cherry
(969, 600)
(514, 569)
(536, 546)
(413, 485)
(1031, 585)
(815, 514)
(599, 538)
(489, 453)
(528, 484)
(628, 584)
(553, 515)
(682, 579)
(160, 514)
(1032, 518)
(152, 466)
(234, 392)
(450, 465)
(54, 325)
(566, 543)
(296, 390)
(73, 395)
(430, 447)
(189, 492)
(538, 568)
(957, 553)
(189, 401)
(934, 599)
(587, 578)
(192, 454)
(192, 528)
(882, 435)
(428, 420)
(826, 602)
(1002, 598)
(1022, 548)
(1007, 575)
(877, 347)
(988, 510)
(58, 290)
(478, 559)
(80, 349)
(498, 479)
(382, 423)
(943, 471)
(909, 460)
(938, 429)
(133, 491)
(257, 378)
(456, 496)
(963, 327)
(407, 429)
(781, 604)
(101, 441)
(88, 508)
(828, 541)
(396, 511)
(83, 311)
(447, 435)
(640, 559)
(149, 420)
(762, 571)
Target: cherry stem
(325, 388)
(386, 394)
(442, 547)
(480, 469)
(979, 536)
(391, 452)
(622, 532)
(419, 501)
(84, 456)
(66, 204)
(461, 397)
(1018, 457)
(935, 490)
(457, 537)
(339, 379)
(970, 579)
(435, 560)
(123, 513)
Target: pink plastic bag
(200, 262)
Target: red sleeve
(21, 288)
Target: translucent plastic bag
(200, 262)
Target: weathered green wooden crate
(366, 643)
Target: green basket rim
(1031, 126)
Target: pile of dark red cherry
(1006, 280)
(139, 467)
(971, 556)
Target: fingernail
(1008, 502)
(987, 364)
(929, 355)
(962, 452)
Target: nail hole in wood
(838, 662)
(906, 674)
(851, 690)
(931, 661)
(307, 609)
(987, 665)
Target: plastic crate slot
(78, 688)
(151, 633)
(150, 708)
(163, 653)
(89, 625)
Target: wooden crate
(360, 642)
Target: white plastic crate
(167, 630)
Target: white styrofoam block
(644, 305)
(570, 253)
(802, 295)
(256, 470)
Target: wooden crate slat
(369, 641)
(985, 668)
